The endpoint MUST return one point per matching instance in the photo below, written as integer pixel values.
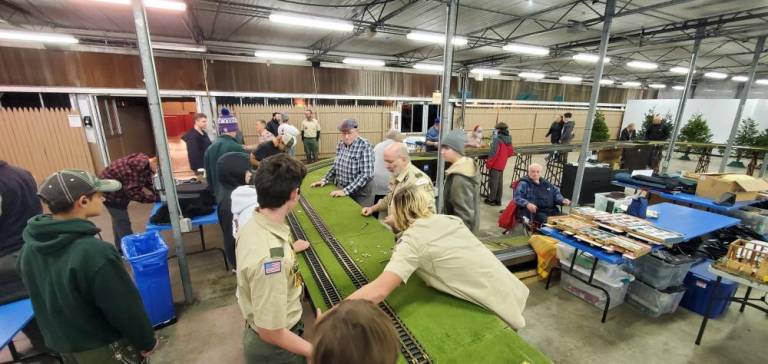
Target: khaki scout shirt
(310, 128)
(268, 282)
(409, 177)
(448, 257)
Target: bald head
(396, 157)
(534, 172)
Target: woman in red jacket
(501, 150)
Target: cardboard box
(714, 185)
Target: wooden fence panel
(42, 141)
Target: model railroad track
(411, 349)
(331, 295)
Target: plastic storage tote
(617, 290)
(654, 302)
(148, 256)
(661, 274)
(604, 271)
(700, 285)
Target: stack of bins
(610, 277)
(659, 288)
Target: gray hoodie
(567, 134)
(244, 202)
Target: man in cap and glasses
(352, 170)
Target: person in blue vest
(536, 197)
(432, 139)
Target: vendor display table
(689, 199)
(690, 222)
(744, 301)
(199, 221)
(14, 317)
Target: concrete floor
(562, 326)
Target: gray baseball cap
(69, 184)
(347, 125)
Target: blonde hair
(355, 331)
(411, 204)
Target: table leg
(549, 277)
(202, 237)
(14, 354)
(746, 297)
(712, 300)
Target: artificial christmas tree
(747, 136)
(695, 131)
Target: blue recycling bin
(147, 254)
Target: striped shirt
(353, 167)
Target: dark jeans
(12, 288)
(496, 185)
(225, 221)
(121, 225)
(257, 351)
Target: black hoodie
(232, 167)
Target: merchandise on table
(588, 213)
(617, 290)
(630, 248)
(652, 301)
(748, 259)
(700, 287)
(588, 232)
(568, 223)
(655, 235)
(661, 269)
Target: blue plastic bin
(700, 284)
(147, 254)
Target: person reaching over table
(279, 144)
(352, 170)
(444, 253)
(539, 197)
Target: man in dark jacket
(461, 192)
(135, 173)
(657, 131)
(567, 134)
(232, 167)
(536, 197)
(555, 130)
(629, 133)
(225, 143)
(197, 142)
(85, 303)
(274, 124)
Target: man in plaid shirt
(352, 169)
(135, 172)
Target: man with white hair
(380, 183)
(403, 175)
(537, 196)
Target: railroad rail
(411, 349)
(328, 290)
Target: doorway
(127, 126)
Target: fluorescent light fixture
(657, 85)
(485, 71)
(762, 82)
(631, 84)
(526, 49)
(435, 38)
(157, 4)
(280, 55)
(679, 70)
(716, 75)
(428, 67)
(740, 78)
(678, 87)
(642, 65)
(531, 75)
(21, 36)
(311, 22)
(364, 62)
(587, 57)
(179, 47)
(605, 81)
(570, 79)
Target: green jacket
(462, 183)
(82, 296)
(223, 145)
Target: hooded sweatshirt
(82, 296)
(501, 137)
(461, 192)
(244, 202)
(232, 167)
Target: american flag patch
(272, 267)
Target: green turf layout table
(450, 330)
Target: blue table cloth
(690, 199)
(688, 221)
(14, 316)
(212, 218)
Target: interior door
(127, 126)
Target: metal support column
(610, 8)
(464, 77)
(744, 96)
(683, 99)
(446, 124)
(161, 142)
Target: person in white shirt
(286, 128)
(380, 173)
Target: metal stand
(206, 250)
(743, 301)
(555, 167)
(485, 175)
(703, 165)
(588, 282)
(521, 166)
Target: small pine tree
(695, 131)
(747, 136)
(648, 120)
(762, 139)
(599, 129)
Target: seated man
(539, 197)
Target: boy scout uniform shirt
(310, 128)
(268, 283)
(448, 257)
(411, 176)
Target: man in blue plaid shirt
(352, 170)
